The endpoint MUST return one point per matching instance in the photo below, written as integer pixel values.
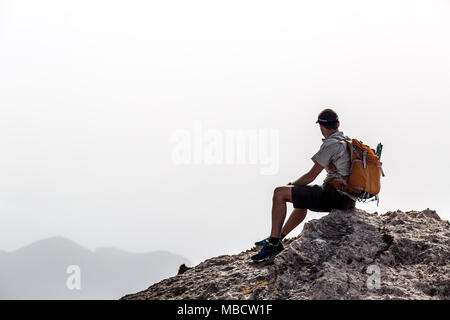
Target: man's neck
(330, 133)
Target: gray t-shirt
(333, 151)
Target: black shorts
(320, 198)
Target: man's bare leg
(281, 195)
(296, 217)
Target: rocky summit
(347, 254)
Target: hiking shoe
(263, 242)
(268, 250)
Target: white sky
(91, 92)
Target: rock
(348, 254)
(183, 268)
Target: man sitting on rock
(332, 156)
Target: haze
(91, 93)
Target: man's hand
(310, 176)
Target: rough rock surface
(334, 257)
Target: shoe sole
(269, 257)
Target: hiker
(332, 156)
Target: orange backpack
(365, 172)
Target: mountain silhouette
(41, 270)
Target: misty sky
(91, 93)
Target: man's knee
(281, 194)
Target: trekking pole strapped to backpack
(379, 150)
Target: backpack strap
(331, 166)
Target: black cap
(327, 116)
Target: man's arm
(310, 176)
